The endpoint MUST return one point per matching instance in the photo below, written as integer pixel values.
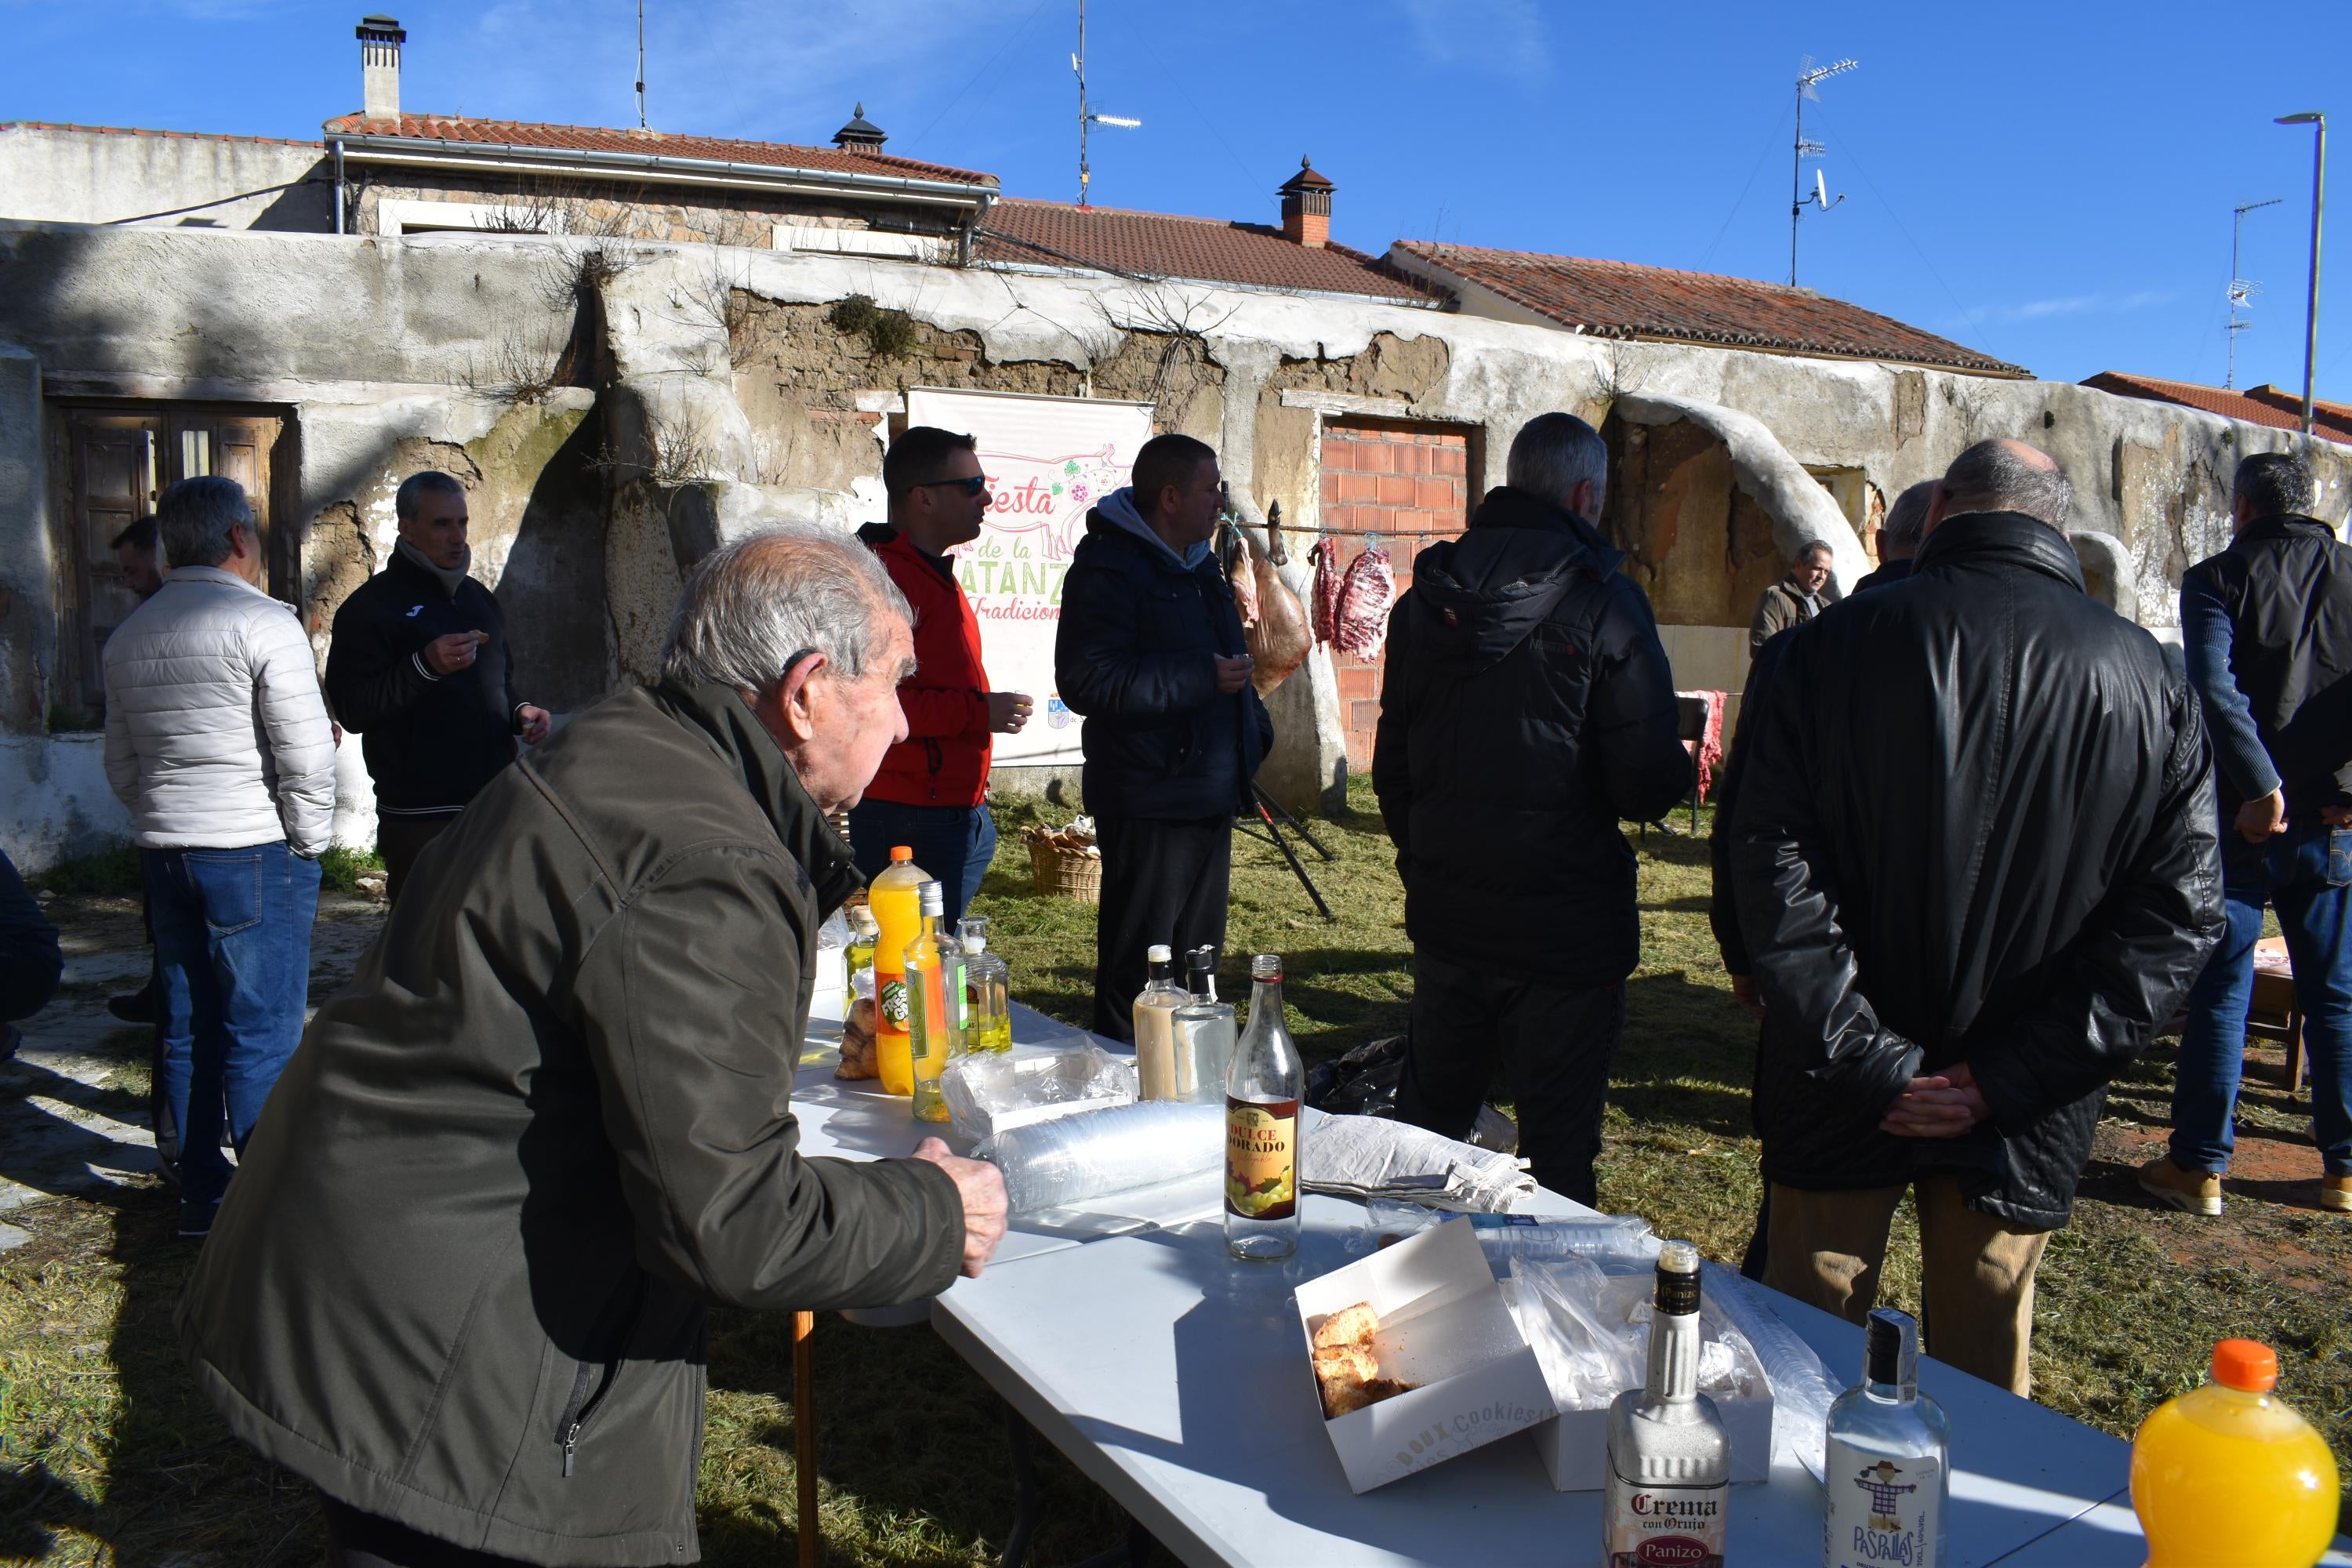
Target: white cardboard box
(1444, 1327)
(1575, 1447)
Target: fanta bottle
(895, 902)
(2227, 1476)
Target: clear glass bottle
(1155, 1033)
(1888, 1459)
(857, 959)
(934, 972)
(1204, 1032)
(1669, 1484)
(1262, 1088)
(987, 989)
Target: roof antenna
(641, 64)
(1086, 118)
(2242, 289)
(1809, 75)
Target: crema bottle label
(1882, 1509)
(1665, 1527)
(1261, 1158)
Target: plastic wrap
(1623, 1238)
(1094, 1153)
(1802, 1389)
(1589, 1328)
(992, 1093)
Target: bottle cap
(1890, 1347)
(1677, 1291)
(2247, 1365)
(1266, 967)
(1157, 952)
(974, 942)
(901, 852)
(934, 901)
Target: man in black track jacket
(1974, 858)
(419, 668)
(1527, 707)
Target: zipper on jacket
(580, 1407)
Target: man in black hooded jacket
(1974, 857)
(1527, 707)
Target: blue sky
(2050, 183)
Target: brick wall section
(1411, 488)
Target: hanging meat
(1280, 639)
(1327, 590)
(1243, 579)
(1365, 597)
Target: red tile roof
(1160, 245)
(132, 130)
(657, 144)
(2272, 406)
(1620, 299)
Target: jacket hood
(1119, 510)
(719, 713)
(1482, 595)
(2000, 538)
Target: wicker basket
(1058, 873)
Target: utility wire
(222, 201)
(1767, 150)
(1845, 151)
(1009, 40)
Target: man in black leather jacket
(1975, 863)
(1528, 707)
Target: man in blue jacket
(1150, 652)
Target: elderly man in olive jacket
(459, 1283)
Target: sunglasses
(972, 485)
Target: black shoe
(197, 1219)
(134, 1006)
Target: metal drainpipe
(970, 238)
(339, 184)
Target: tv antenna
(1087, 117)
(1809, 76)
(641, 64)
(2242, 289)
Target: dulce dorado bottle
(1262, 1088)
(1669, 1487)
(1889, 1457)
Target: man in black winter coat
(1974, 858)
(419, 667)
(1527, 707)
(30, 959)
(1149, 650)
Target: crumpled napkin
(1372, 1156)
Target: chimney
(380, 40)
(1306, 207)
(860, 135)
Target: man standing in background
(1149, 650)
(419, 667)
(933, 792)
(1795, 599)
(134, 552)
(1529, 708)
(217, 741)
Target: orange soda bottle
(2227, 1473)
(895, 900)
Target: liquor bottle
(934, 972)
(894, 898)
(1155, 1034)
(987, 988)
(1669, 1487)
(1888, 1457)
(858, 960)
(1262, 1088)
(1204, 1032)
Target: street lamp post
(2319, 194)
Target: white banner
(1047, 459)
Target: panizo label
(1261, 1158)
(1664, 1526)
(892, 1007)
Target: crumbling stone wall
(618, 209)
(1700, 546)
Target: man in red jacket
(933, 792)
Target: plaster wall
(83, 175)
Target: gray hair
(1554, 453)
(1906, 519)
(193, 519)
(751, 606)
(1997, 475)
(416, 486)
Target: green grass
(109, 873)
(108, 1456)
(339, 868)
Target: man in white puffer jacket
(217, 740)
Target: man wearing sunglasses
(933, 792)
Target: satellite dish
(1820, 190)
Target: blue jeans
(233, 951)
(953, 843)
(2306, 873)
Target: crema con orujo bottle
(1669, 1487)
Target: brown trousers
(399, 840)
(1827, 1248)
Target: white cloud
(2068, 305)
(1501, 35)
